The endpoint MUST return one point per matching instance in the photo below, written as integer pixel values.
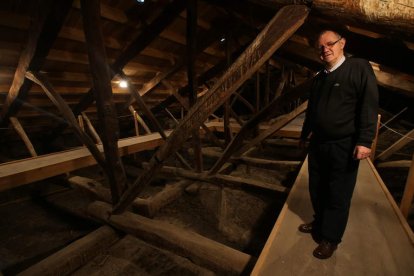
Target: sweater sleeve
(368, 106)
(306, 128)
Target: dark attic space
(164, 137)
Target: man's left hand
(361, 152)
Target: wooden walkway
(377, 240)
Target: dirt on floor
(35, 225)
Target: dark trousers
(332, 177)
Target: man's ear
(342, 43)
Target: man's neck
(332, 67)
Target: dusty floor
(35, 226)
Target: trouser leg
(317, 182)
(340, 186)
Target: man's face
(330, 47)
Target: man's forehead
(328, 35)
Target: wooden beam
(80, 123)
(73, 256)
(147, 207)
(375, 141)
(19, 129)
(191, 47)
(139, 119)
(68, 115)
(91, 128)
(395, 164)
(267, 85)
(274, 109)
(210, 73)
(277, 125)
(101, 78)
(407, 138)
(284, 24)
(218, 257)
(107, 12)
(393, 117)
(408, 194)
(156, 124)
(148, 34)
(221, 179)
(25, 171)
(228, 135)
(185, 104)
(49, 18)
(394, 15)
(171, 192)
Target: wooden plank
(375, 234)
(409, 137)
(73, 256)
(21, 172)
(49, 18)
(203, 251)
(279, 29)
(101, 78)
(408, 194)
(19, 129)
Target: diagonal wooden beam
(49, 18)
(408, 195)
(409, 137)
(91, 128)
(185, 105)
(156, 124)
(206, 39)
(275, 108)
(280, 122)
(139, 119)
(279, 29)
(101, 78)
(64, 108)
(20, 130)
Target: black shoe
(306, 227)
(324, 250)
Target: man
(341, 118)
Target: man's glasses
(328, 45)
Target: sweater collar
(339, 63)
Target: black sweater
(343, 103)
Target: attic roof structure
(181, 119)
